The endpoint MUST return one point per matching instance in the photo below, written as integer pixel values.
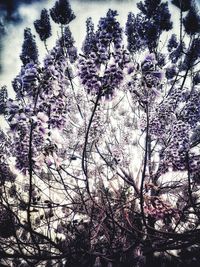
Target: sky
(11, 43)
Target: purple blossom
(29, 48)
(171, 72)
(192, 20)
(43, 26)
(62, 12)
(89, 44)
(172, 43)
(3, 99)
(102, 57)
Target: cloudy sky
(11, 43)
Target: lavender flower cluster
(43, 26)
(43, 90)
(146, 80)
(160, 210)
(101, 70)
(191, 110)
(176, 152)
(163, 117)
(144, 30)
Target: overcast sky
(82, 9)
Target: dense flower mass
(192, 55)
(100, 152)
(90, 39)
(191, 111)
(29, 48)
(109, 31)
(134, 31)
(192, 21)
(6, 174)
(43, 26)
(172, 43)
(44, 90)
(171, 72)
(179, 146)
(62, 12)
(183, 5)
(3, 99)
(145, 29)
(66, 45)
(158, 209)
(102, 70)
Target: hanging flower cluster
(146, 80)
(176, 152)
(43, 26)
(66, 45)
(164, 115)
(143, 31)
(160, 210)
(3, 99)
(90, 39)
(191, 110)
(62, 13)
(101, 70)
(152, 78)
(29, 48)
(43, 91)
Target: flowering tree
(100, 163)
